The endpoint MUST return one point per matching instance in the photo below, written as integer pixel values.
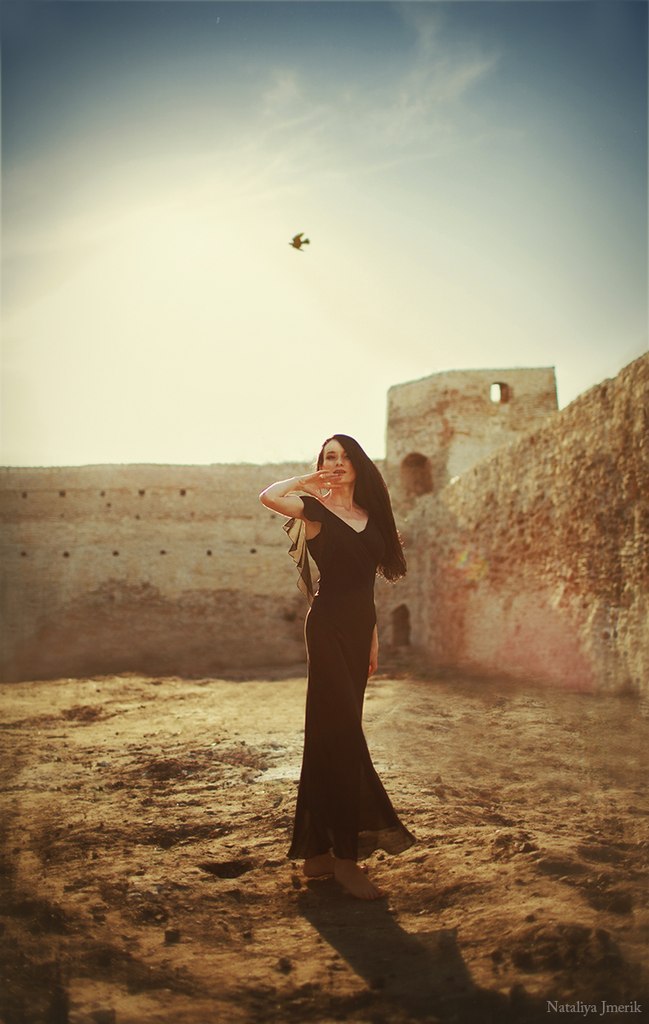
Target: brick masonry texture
(526, 531)
(534, 563)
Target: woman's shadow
(419, 977)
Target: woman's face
(336, 459)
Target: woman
(343, 519)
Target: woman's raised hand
(281, 496)
(322, 479)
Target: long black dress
(341, 802)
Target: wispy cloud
(423, 106)
(281, 92)
(411, 114)
(425, 103)
(294, 139)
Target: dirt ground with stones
(145, 877)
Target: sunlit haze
(471, 176)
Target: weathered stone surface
(526, 532)
(535, 563)
(441, 426)
(168, 569)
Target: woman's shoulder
(313, 508)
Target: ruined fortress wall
(439, 427)
(442, 425)
(163, 569)
(535, 564)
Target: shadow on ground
(420, 977)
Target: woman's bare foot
(322, 864)
(315, 867)
(352, 877)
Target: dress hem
(368, 843)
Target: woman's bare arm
(279, 497)
(374, 651)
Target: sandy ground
(145, 874)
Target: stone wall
(528, 554)
(163, 569)
(440, 426)
(535, 563)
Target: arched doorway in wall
(416, 475)
(401, 626)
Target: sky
(471, 176)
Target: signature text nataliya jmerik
(601, 1009)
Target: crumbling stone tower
(438, 428)
(441, 426)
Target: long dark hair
(371, 493)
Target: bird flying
(299, 241)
